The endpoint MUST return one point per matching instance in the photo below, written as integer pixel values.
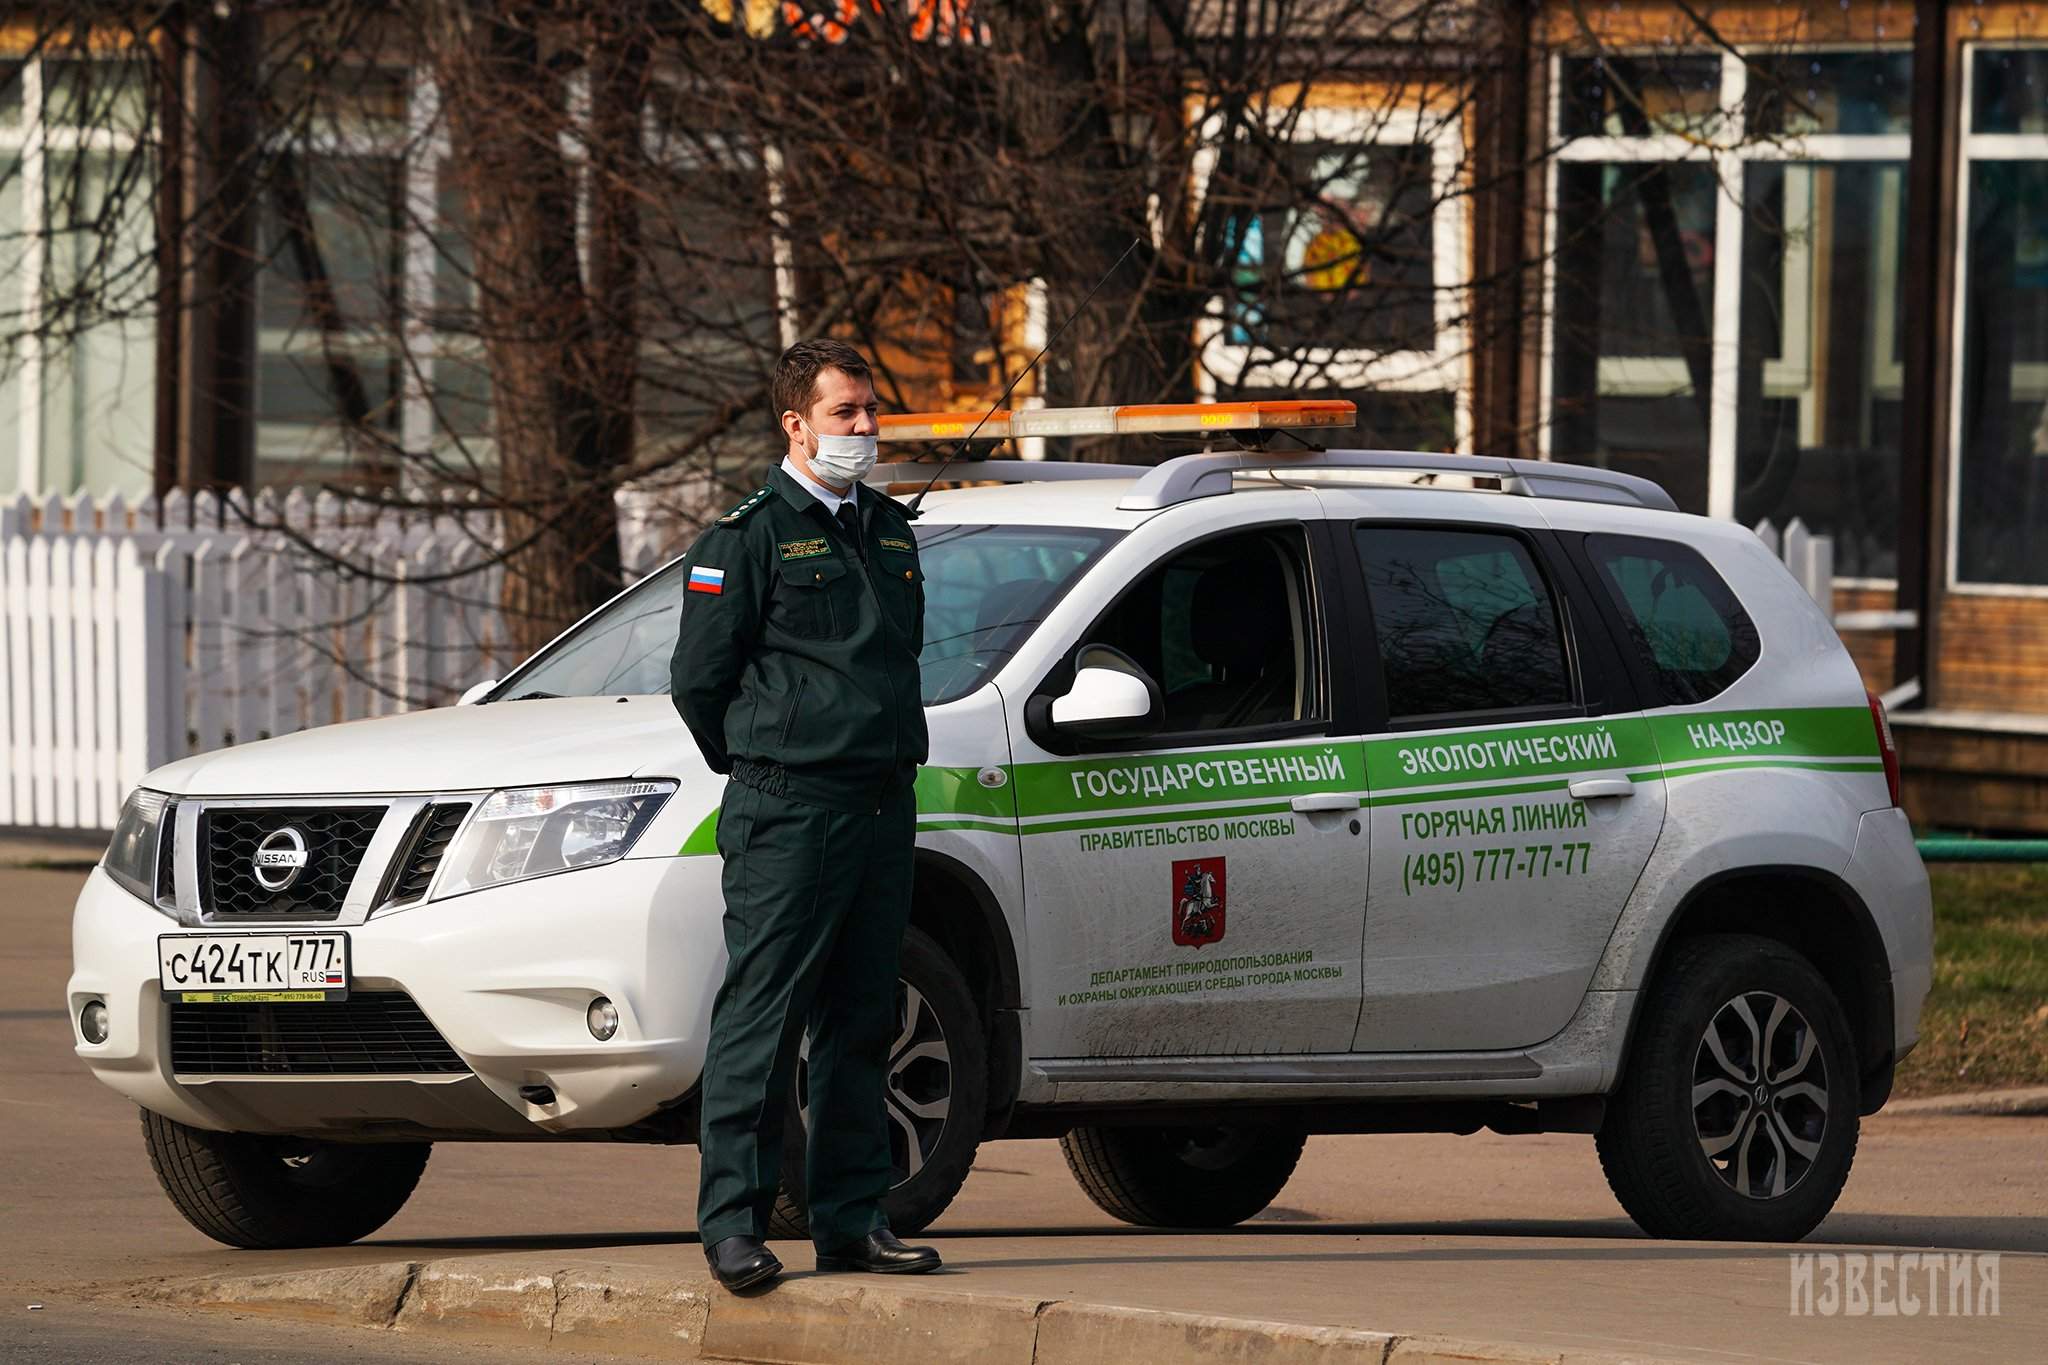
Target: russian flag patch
(707, 580)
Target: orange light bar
(1130, 419)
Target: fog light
(604, 1018)
(92, 1022)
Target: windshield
(985, 589)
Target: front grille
(377, 1033)
(335, 838)
(430, 839)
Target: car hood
(453, 748)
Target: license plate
(279, 969)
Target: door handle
(1327, 801)
(1586, 788)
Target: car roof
(1089, 502)
(1095, 503)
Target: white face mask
(842, 459)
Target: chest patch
(892, 543)
(804, 549)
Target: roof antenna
(996, 407)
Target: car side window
(1465, 622)
(1684, 620)
(1227, 629)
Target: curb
(1982, 1103)
(804, 1320)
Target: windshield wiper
(538, 696)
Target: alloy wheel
(918, 1092)
(1760, 1095)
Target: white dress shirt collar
(816, 489)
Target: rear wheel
(248, 1190)
(1737, 1116)
(1183, 1177)
(936, 1097)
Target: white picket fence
(133, 635)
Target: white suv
(1270, 794)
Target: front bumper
(505, 975)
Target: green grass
(1985, 1025)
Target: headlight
(526, 832)
(140, 855)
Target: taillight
(1886, 745)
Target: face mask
(842, 459)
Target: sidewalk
(64, 850)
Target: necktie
(850, 519)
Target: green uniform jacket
(798, 673)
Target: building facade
(1790, 260)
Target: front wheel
(1206, 1177)
(1737, 1113)
(248, 1190)
(936, 1097)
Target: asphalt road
(1484, 1237)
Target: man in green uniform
(796, 671)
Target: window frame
(34, 141)
(1601, 684)
(1973, 147)
(1322, 572)
(1445, 368)
(1727, 161)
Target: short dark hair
(795, 386)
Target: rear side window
(1688, 629)
(1465, 622)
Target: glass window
(327, 312)
(1634, 321)
(1355, 270)
(986, 587)
(1464, 620)
(1635, 96)
(96, 380)
(1227, 629)
(2002, 461)
(2009, 91)
(1821, 389)
(1830, 92)
(1691, 633)
(95, 93)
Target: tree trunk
(561, 355)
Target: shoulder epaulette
(745, 505)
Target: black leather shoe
(881, 1254)
(742, 1262)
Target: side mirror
(476, 692)
(1112, 697)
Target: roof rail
(1188, 477)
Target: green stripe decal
(958, 791)
(704, 838)
(1150, 781)
(1805, 732)
(1397, 770)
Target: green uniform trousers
(815, 906)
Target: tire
(937, 1097)
(1183, 1177)
(247, 1190)
(1701, 1141)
